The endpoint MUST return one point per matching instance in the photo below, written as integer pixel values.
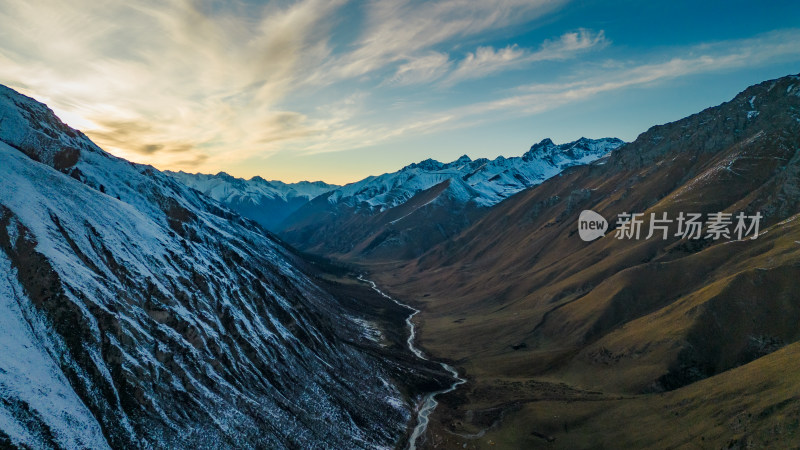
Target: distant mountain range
(397, 214)
(482, 181)
(266, 202)
(404, 213)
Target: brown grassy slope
(518, 295)
(752, 406)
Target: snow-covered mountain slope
(402, 214)
(137, 313)
(266, 202)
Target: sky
(337, 90)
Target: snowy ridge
(228, 189)
(403, 214)
(137, 313)
(266, 202)
(483, 181)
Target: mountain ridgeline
(266, 202)
(401, 215)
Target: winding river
(429, 403)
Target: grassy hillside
(616, 341)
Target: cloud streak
(147, 77)
(486, 60)
(698, 59)
(398, 30)
(610, 76)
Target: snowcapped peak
(266, 202)
(259, 180)
(483, 181)
(35, 130)
(320, 184)
(428, 164)
(537, 151)
(403, 212)
(459, 163)
(578, 150)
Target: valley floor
(385, 321)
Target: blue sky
(338, 90)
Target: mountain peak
(260, 180)
(460, 162)
(537, 149)
(428, 164)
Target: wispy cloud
(398, 30)
(147, 78)
(424, 69)
(585, 84)
(692, 60)
(486, 60)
